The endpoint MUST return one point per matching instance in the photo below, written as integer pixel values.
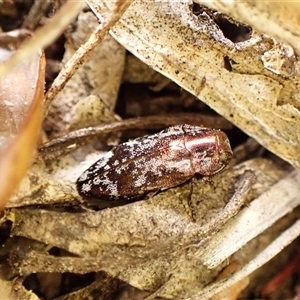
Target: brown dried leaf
(21, 97)
(233, 291)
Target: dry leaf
(233, 291)
(21, 99)
(253, 83)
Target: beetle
(155, 162)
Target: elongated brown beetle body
(156, 162)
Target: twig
(77, 138)
(81, 54)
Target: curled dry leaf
(21, 97)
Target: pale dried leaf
(278, 18)
(254, 219)
(193, 52)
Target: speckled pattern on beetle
(156, 162)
